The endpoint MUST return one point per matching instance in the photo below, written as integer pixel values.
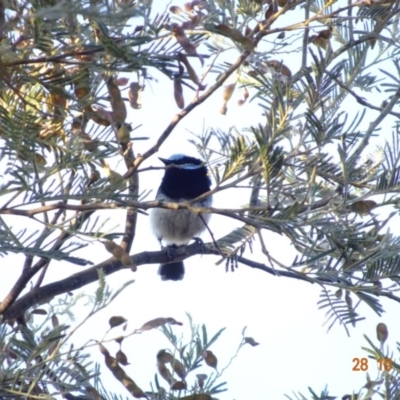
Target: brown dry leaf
(121, 358)
(210, 359)
(363, 207)
(116, 320)
(251, 341)
(382, 332)
(155, 323)
(117, 104)
(178, 93)
(165, 372)
(135, 95)
(121, 375)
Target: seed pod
(382, 332)
(178, 93)
(245, 96)
(135, 95)
(165, 372)
(116, 320)
(165, 357)
(210, 359)
(192, 74)
(228, 91)
(121, 358)
(117, 104)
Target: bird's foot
(170, 251)
(200, 241)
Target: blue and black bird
(185, 179)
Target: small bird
(185, 179)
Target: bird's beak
(164, 160)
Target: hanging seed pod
(210, 359)
(165, 357)
(245, 96)
(121, 358)
(181, 38)
(179, 368)
(228, 91)
(178, 93)
(382, 332)
(116, 320)
(165, 372)
(117, 104)
(223, 109)
(191, 72)
(135, 95)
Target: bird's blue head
(185, 178)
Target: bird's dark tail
(172, 272)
